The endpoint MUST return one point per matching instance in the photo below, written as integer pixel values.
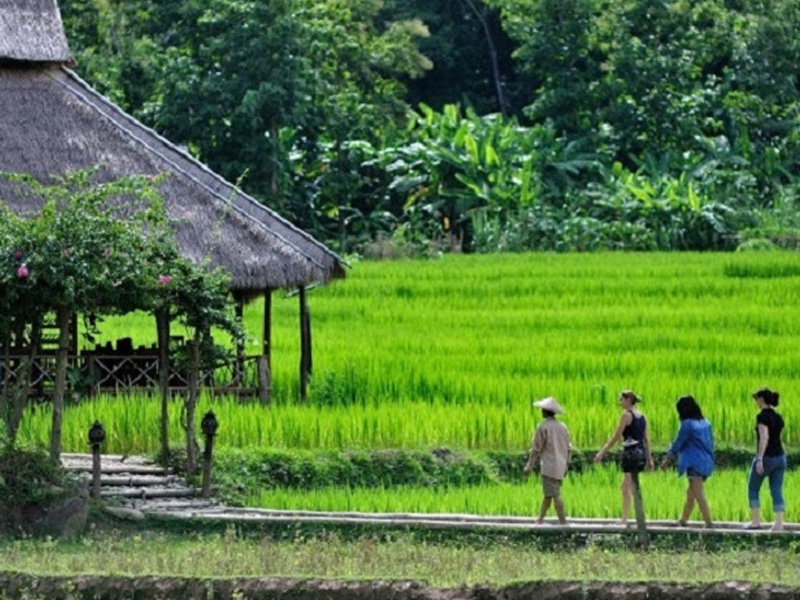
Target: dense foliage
(586, 124)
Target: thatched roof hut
(54, 122)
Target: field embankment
(19, 587)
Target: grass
(229, 556)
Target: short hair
(688, 408)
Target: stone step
(149, 492)
(119, 469)
(134, 481)
(112, 463)
(169, 505)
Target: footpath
(135, 489)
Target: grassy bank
(438, 564)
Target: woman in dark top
(770, 460)
(632, 429)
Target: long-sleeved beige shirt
(551, 446)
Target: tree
(97, 248)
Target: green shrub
(30, 481)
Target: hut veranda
(53, 123)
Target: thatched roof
(31, 30)
(54, 122)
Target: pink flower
(164, 279)
(106, 251)
(22, 271)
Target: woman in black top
(770, 460)
(632, 428)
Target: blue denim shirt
(694, 447)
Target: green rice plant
(132, 424)
(594, 493)
(451, 352)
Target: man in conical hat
(551, 449)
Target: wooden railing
(93, 373)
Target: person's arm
(624, 421)
(763, 439)
(537, 447)
(677, 444)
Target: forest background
(388, 127)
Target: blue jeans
(774, 468)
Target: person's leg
(548, 492)
(688, 506)
(698, 485)
(627, 492)
(777, 469)
(753, 489)
(543, 510)
(559, 504)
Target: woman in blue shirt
(694, 447)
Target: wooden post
(64, 323)
(265, 362)
(638, 507)
(305, 349)
(209, 427)
(190, 405)
(238, 370)
(264, 381)
(163, 333)
(97, 436)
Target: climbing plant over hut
(93, 248)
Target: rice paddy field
(450, 352)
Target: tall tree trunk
(63, 322)
(162, 328)
(493, 62)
